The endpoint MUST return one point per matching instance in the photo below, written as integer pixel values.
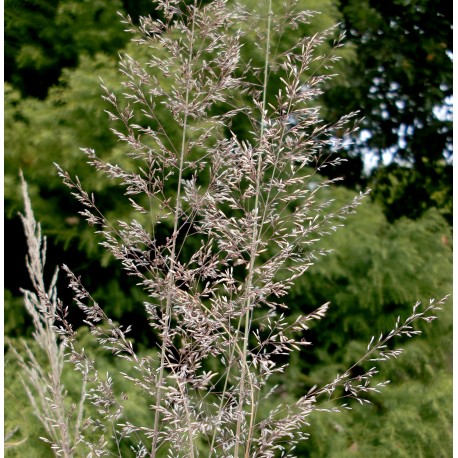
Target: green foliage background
(396, 250)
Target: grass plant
(221, 226)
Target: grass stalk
(170, 274)
(253, 252)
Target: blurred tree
(43, 37)
(401, 80)
(377, 271)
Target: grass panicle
(243, 212)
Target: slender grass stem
(171, 276)
(253, 251)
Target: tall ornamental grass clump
(222, 224)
